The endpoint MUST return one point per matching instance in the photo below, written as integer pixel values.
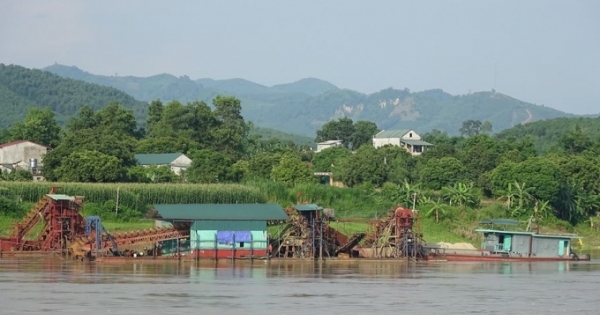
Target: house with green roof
(176, 161)
(405, 138)
(223, 230)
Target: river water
(52, 286)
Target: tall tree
(292, 171)
(39, 126)
(155, 111)
(471, 128)
(341, 129)
(231, 134)
(363, 133)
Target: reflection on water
(53, 286)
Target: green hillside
(269, 133)
(22, 88)
(302, 107)
(546, 134)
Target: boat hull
(492, 257)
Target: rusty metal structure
(62, 223)
(65, 231)
(309, 234)
(396, 236)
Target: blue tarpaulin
(243, 236)
(229, 237)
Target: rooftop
(416, 142)
(331, 142)
(528, 233)
(8, 144)
(157, 159)
(308, 207)
(58, 197)
(392, 133)
(249, 212)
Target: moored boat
(512, 245)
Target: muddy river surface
(49, 286)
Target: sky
(544, 52)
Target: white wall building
(328, 144)
(406, 138)
(176, 161)
(22, 154)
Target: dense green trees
(98, 146)
(353, 135)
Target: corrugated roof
(250, 212)
(392, 133)
(499, 221)
(528, 233)
(308, 207)
(229, 225)
(416, 142)
(156, 159)
(331, 142)
(60, 197)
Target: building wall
(206, 239)
(520, 244)
(380, 142)
(548, 247)
(411, 135)
(321, 147)
(181, 163)
(22, 152)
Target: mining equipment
(308, 234)
(66, 232)
(396, 236)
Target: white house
(176, 161)
(328, 144)
(22, 154)
(406, 138)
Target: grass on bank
(456, 224)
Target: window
(241, 244)
(410, 135)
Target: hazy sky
(545, 52)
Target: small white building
(406, 138)
(328, 144)
(176, 161)
(22, 154)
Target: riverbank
(452, 229)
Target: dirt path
(528, 118)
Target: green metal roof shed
(308, 207)
(156, 159)
(240, 212)
(416, 142)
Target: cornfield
(137, 196)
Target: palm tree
(437, 206)
(407, 190)
(460, 194)
(509, 196)
(448, 193)
(541, 209)
(523, 196)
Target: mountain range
(301, 107)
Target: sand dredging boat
(239, 231)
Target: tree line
(99, 146)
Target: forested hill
(22, 88)
(548, 134)
(304, 106)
